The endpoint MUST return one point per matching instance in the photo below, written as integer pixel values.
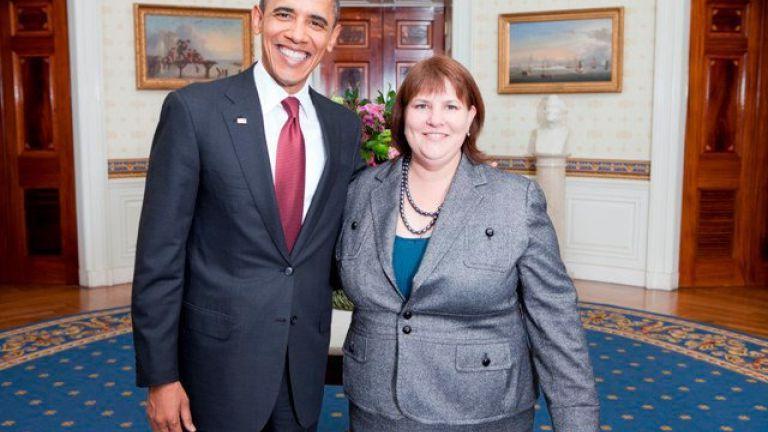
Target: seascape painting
(557, 53)
(184, 46)
(565, 51)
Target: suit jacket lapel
(384, 207)
(251, 148)
(331, 142)
(461, 198)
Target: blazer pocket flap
(488, 246)
(477, 358)
(207, 322)
(351, 238)
(355, 347)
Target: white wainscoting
(125, 198)
(606, 228)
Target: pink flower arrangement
(376, 119)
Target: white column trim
(88, 141)
(461, 32)
(670, 99)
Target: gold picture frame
(171, 49)
(567, 51)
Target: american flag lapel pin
(241, 120)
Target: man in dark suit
(246, 185)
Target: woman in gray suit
(462, 304)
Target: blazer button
(294, 319)
(407, 314)
(489, 232)
(354, 225)
(352, 347)
(288, 271)
(407, 329)
(486, 360)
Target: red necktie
(289, 173)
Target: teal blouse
(406, 258)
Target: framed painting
(576, 51)
(351, 76)
(402, 70)
(176, 46)
(414, 34)
(353, 34)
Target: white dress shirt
(271, 96)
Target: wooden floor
(741, 309)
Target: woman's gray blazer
(491, 316)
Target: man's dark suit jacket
(218, 302)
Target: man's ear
(256, 19)
(334, 37)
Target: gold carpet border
(688, 352)
(66, 319)
(14, 361)
(671, 319)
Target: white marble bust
(551, 138)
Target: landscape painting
(176, 46)
(561, 52)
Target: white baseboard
(603, 273)
(107, 277)
(95, 278)
(661, 281)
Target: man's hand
(168, 408)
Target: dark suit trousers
(283, 418)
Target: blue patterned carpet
(654, 373)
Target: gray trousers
(362, 421)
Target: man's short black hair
(336, 9)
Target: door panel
(723, 207)
(412, 34)
(758, 264)
(356, 60)
(378, 45)
(37, 194)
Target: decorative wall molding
(89, 141)
(670, 100)
(606, 168)
(606, 223)
(461, 32)
(125, 200)
(119, 168)
(579, 167)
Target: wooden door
(724, 211)
(758, 263)
(411, 34)
(37, 194)
(356, 62)
(377, 46)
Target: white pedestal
(339, 327)
(550, 174)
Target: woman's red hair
(428, 77)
